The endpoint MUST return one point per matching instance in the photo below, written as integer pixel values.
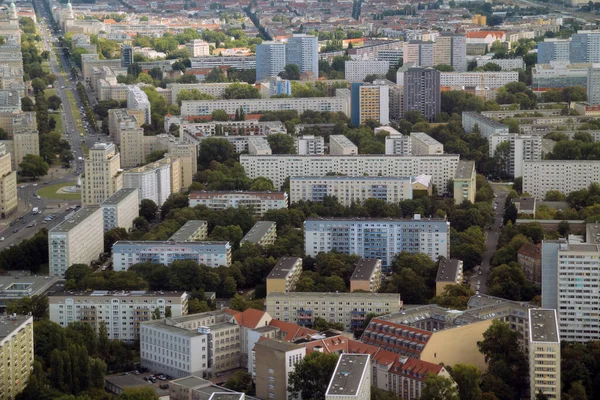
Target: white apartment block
(539, 177)
(231, 128)
(349, 189)
(120, 209)
(486, 125)
(137, 99)
(507, 64)
(345, 308)
(491, 80)
(357, 71)
(153, 181)
(396, 143)
(441, 168)
(340, 145)
(544, 353)
(351, 379)
(593, 85)
(217, 90)
(522, 148)
(79, 239)
(339, 103)
(261, 202)
(263, 233)
(239, 62)
(259, 146)
(422, 144)
(121, 311)
(310, 145)
(198, 48)
(377, 238)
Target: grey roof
(330, 295)
(525, 203)
(127, 380)
(277, 345)
(543, 326)
(381, 220)
(10, 323)
(364, 269)
(592, 233)
(482, 118)
(119, 196)
(283, 267)
(187, 230)
(258, 231)
(448, 270)
(348, 374)
(17, 286)
(465, 169)
(74, 219)
(350, 178)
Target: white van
(35, 211)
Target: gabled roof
(415, 368)
(292, 331)
(249, 318)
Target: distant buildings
(559, 74)
(488, 80)
(275, 361)
(585, 47)
(16, 346)
(212, 254)
(137, 99)
(367, 275)
(260, 202)
(198, 48)
(566, 176)
(451, 49)
(486, 125)
(284, 275)
(593, 85)
(302, 50)
(122, 312)
(351, 378)
(415, 144)
(126, 55)
(270, 59)
(120, 209)
(377, 238)
(79, 239)
(450, 272)
(418, 52)
(357, 71)
(103, 176)
(422, 92)
(263, 233)
(544, 353)
(8, 184)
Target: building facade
(270, 59)
(553, 49)
(302, 50)
(284, 275)
(351, 379)
(544, 353)
(370, 102)
(103, 176)
(275, 361)
(451, 49)
(153, 181)
(8, 184)
(357, 71)
(367, 275)
(342, 146)
(16, 353)
(422, 92)
(486, 125)
(465, 182)
(539, 177)
(421, 144)
(310, 145)
(120, 209)
(263, 233)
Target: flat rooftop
(188, 229)
(484, 119)
(258, 231)
(10, 323)
(331, 295)
(277, 345)
(128, 380)
(448, 270)
(150, 243)
(284, 267)
(376, 220)
(119, 196)
(348, 375)
(543, 326)
(364, 269)
(425, 138)
(74, 219)
(592, 233)
(465, 169)
(350, 178)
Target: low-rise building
(16, 351)
(422, 144)
(195, 388)
(367, 275)
(341, 145)
(450, 272)
(275, 361)
(351, 379)
(284, 275)
(20, 284)
(544, 353)
(260, 202)
(258, 145)
(263, 233)
(120, 209)
(212, 254)
(191, 231)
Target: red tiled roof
(292, 331)
(249, 318)
(531, 250)
(415, 368)
(484, 34)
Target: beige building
(366, 276)
(8, 184)
(121, 118)
(16, 354)
(275, 360)
(341, 145)
(79, 239)
(23, 136)
(191, 231)
(450, 272)
(263, 233)
(465, 182)
(544, 353)
(198, 48)
(351, 379)
(284, 275)
(103, 175)
(120, 209)
(424, 145)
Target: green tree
(112, 236)
(139, 393)
(156, 314)
(219, 115)
(155, 156)
(36, 305)
(577, 391)
(444, 68)
(148, 210)
(33, 166)
(240, 381)
(290, 72)
(27, 104)
(193, 94)
(281, 144)
(439, 387)
(468, 379)
(215, 149)
(241, 91)
(55, 102)
(311, 375)
(262, 184)
(103, 340)
(168, 312)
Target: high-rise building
(270, 59)
(370, 102)
(552, 49)
(544, 353)
(585, 47)
(418, 52)
(302, 50)
(8, 184)
(566, 176)
(522, 148)
(275, 360)
(79, 239)
(451, 49)
(357, 70)
(593, 85)
(16, 347)
(137, 99)
(126, 55)
(422, 92)
(103, 176)
(152, 180)
(351, 379)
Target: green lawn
(46, 66)
(85, 150)
(50, 192)
(59, 122)
(75, 111)
(49, 92)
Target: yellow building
(544, 353)
(16, 354)
(450, 272)
(479, 20)
(8, 184)
(373, 104)
(366, 275)
(103, 175)
(284, 275)
(464, 182)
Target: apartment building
(197, 344)
(137, 99)
(340, 145)
(553, 49)
(396, 101)
(122, 118)
(422, 92)
(544, 353)
(263, 233)
(357, 70)
(230, 128)
(559, 74)
(450, 272)
(451, 49)
(310, 145)
(302, 50)
(8, 184)
(491, 80)
(193, 387)
(422, 144)
(284, 275)
(277, 168)
(522, 148)
(102, 175)
(154, 180)
(24, 138)
(539, 177)
(367, 275)
(121, 311)
(349, 189)
(585, 47)
(370, 102)
(465, 182)
(134, 145)
(418, 52)
(79, 239)
(120, 209)
(260, 202)
(212, 254)
(593, 87)
(198, 48)
(339, 103)
(191, 231)
(377, 238)
(351, 379)
(487, 126)
(258, 145)
(507, 64)
(217, 90)
(396, 143)
(348, 309)
(270, 59)
(16, 354)
(238, 62)
(275, 361)
(19, 284)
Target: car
(15, 230)
(12, 223)
(22, 187)
(35, 184)
(1, 238)
(479, 282)
(37, 196)
(479, 272)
